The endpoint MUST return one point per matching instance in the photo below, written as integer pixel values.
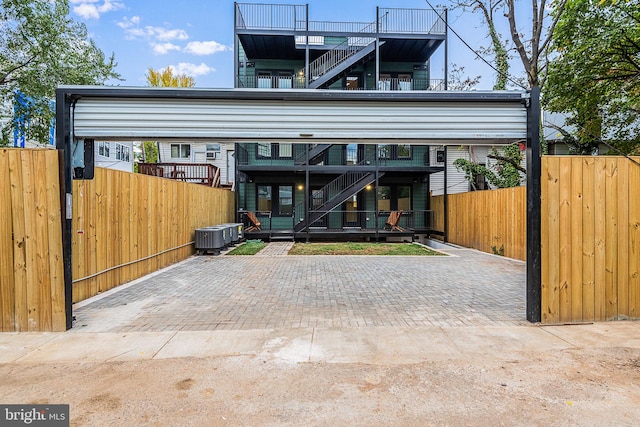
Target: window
(264, 198)
(180, 151)
(122, 153)
(394, 197)
(404, 151)
(213, 151)
(384, 151)
(103, 149)
(267, 79)
(285, 200)
(282, 150)
(394, 152)
(281, 204)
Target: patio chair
(254, 223)
(393, 220)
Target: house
(220, 155)
(338, 189)
(114, 155)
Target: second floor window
(267, 150)
(394, 152)
(180, 151)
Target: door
(231, 166)
(317, 199)
(353, 217)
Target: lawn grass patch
(250, 247)
(356, 248)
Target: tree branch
(507, 160)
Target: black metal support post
(534, 214)
(63, 145)
(445, 235)
(307, 192)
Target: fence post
(534, 219)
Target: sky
(195, 37)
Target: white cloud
(92, 9)
(205, 48)
(128, 23)
(164, 48)
(149, 32)
(192, 70)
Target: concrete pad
(598, 335)
(505, 341)
(381, 345)
(13, 346)
(293, 345)
(100, 347)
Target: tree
(596, 75)
(166, 78)
(498, 48)
(459, 81)
(41, 47)
(162, 78)
(507, 172)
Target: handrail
(337, 55)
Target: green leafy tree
(41, 47)
(596, 76)
(505, 173)
(162, 78)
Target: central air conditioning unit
(211, 239)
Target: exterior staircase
(315, 153)
(338, 191)
(336, 63)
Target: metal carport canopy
(298, 116)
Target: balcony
(280, 17)
(196, 173)
(293, 82)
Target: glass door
(317, 199)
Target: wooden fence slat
(19, 240)
(576, 239)
(564, 232)
(611, 239)
(54, 229)
(634, 240)
(546, 286)
(600, 238)
(553, 190)
(42, 267)
(622, 255)
(588, 239)
(7, 283)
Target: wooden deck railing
(195, 173)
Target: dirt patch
(564, 387)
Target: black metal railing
(347, 220)
(297, 82)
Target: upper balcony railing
(291, 82)
(294, 18)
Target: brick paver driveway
(280, 291)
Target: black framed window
(394, 197)
(277, 199)
(395, 151)
(266, 150)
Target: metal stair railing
(339, 54)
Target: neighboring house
(114, 155)
(337, 189)
(220, 155)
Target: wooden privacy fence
(31, 265)
(127, 225)
(492, 221)
(590, 238)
